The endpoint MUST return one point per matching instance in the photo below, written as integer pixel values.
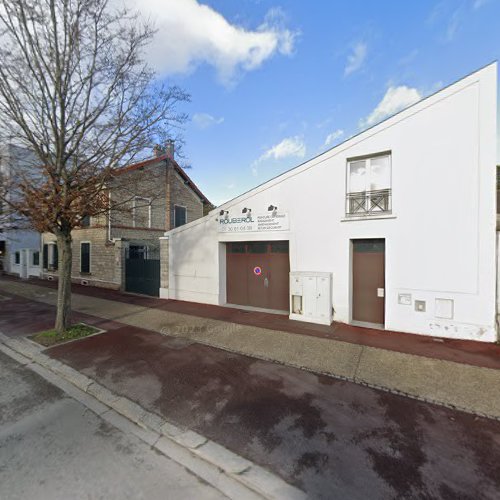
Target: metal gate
(142, 270)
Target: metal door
(368, 281)
(142, 270)
(257, 274)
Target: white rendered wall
(440, 240)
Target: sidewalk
(330, 438)
(468, 387)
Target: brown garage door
(257, 274)
(368, 281)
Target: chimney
(157, 150)
(170, 148)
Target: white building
(394, 227)
(19, 245)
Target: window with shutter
(85, 257)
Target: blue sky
(275, 83)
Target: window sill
(353, 218)
(85, 274)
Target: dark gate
(142, 270)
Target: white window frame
(186, 218)
(50, 261)
(368, 159)
(144, 199)
(90, 257)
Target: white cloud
(331, 138)
(287, 148)
(394, 100)
(479, 3)
(190, 33)
(204, 120)
(356, 59)
(291, 146)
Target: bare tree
(75, 91)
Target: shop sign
(254, 223)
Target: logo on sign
(257, 271)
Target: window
(369, 185)
(45, 256)
(141, 212)
(36, 258)
(17, 258)
(257, 247)
(180, 215)
(279, 247)
(85, 257)
(85, 222)
(236, 247)
(54, 262)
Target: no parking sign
(257, 270)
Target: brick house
(155, 195)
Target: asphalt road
(332, 439)
(52, 447)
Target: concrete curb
(231, 474)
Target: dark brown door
(368, 281)
(237, 286)
(257, 274)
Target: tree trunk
(63, 317)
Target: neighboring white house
(395, 227)
(19, 247)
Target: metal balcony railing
(369, 202)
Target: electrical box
(311, 297)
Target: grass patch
(51, 337)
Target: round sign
(257, 271)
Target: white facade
(440, 237)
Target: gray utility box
(311, 297)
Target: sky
(276, 82)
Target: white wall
(440, 241)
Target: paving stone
(102, 393)
(223, 458)
(23, 347)
(231, 487)
(190, 439)
(73, 376)
(23, 360)
(170, 430)
(152, 421)
(124, 424)
(129, 409)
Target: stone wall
(139, 198)
(106, 258)
(181, 194)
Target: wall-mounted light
(273, 209)
(224, 213)
(247, 211)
